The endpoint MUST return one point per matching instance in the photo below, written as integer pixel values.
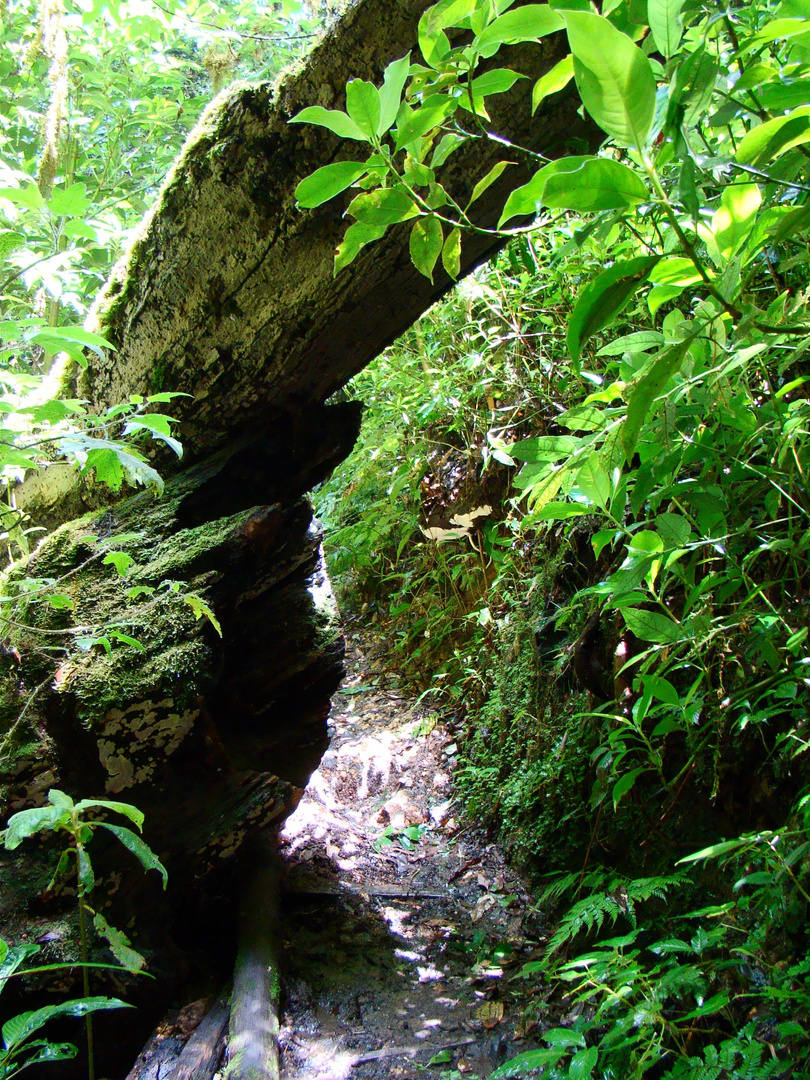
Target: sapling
(62, 814)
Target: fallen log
(202, 1053)
(254, 1024)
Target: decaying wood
(203, 1051)
(254, 1024)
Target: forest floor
(403, 925)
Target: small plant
(407, 837)
(19, 1049)
(63, 815)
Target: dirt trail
(402, 925)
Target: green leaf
(386, 206)
(521, 1065)
(120, 945)
(648, 388)
(450, 142)
(529, 23)
(451, 254)
(325, 183)
(583, 1064)
(355, 239)
(27, 823)
(125, 639)
(639, 341)
(127, 810)
(664, 17)
(363, 105)
(394, 79)
(652, 626)
(614, 78)
(604, 298)
(564, 1037)
(497, 81)
(433, 42)
(70, 339)
(120, 560)
(426, 244)
(21, 1027)
(142, 852)
(488, 181)
(333, 119)
(553, 81)
(108, 467)
(412, 124)
(594, 483)
(70, 201)
(768, 141)
(202, 610)
(598, 184)
(547, 448)
(716, 850)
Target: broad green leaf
(768, 141)
(158, 427)
(666, 24)
(27, 823)
(604, 298)
(553, 81)
(394, 79)
(333, 119)
(126, 639)
(639, 341)
(488, 180)
(675, 271)
(528, 198)
(732, 221)
(61, 801)
(386, 206)
(142, 852)
(120, 945)
(497, 81)
(598, 184)
(70, 201)
(594, 483)
(355, 239)
(71, 339)
(652, 626)
(127, 810)
(564, 1037)
(450, 142)
(23, 1026)
(327, 182)
(529, 23)
(120, 560)
(584, 1062)
(560, 511)
(776, 30)
(433, 41)
(108, 467)
(29, 197)
(451, 254)
(426, 244)
(363, 105)
(547, 448)
(541, 493)
(523, 1064)
(648, 388)
(614, 78)
(412, 124)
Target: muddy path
(403, 927)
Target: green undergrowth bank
(623, 650)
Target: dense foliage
(581, 506)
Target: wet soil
(403, 926)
